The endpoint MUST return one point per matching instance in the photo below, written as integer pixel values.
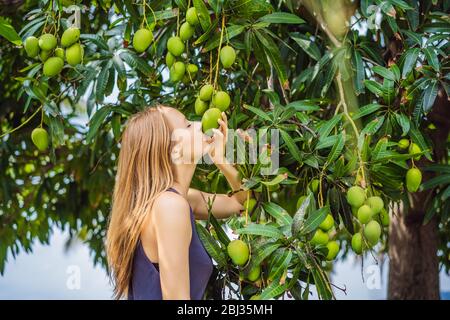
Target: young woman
(153, 249)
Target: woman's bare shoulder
(170, 206)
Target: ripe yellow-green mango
(372, 232)
(53, 66)
(142, 39)
(319, 238)
(403, 143)
(356, 196)
(175, 46)
(254, 273)
(314, 185)
(375, 203)
(221, 100)
(249, 204)
(31, 46)
(191, 16)
(44, 55)
(206, 92)
(357, 243)
(192, 69)
(227, 56)
(300, 201)
(327, 223)
(210, 118)
(186, 31)
(70, 36)
(365, 213)
(59, 52)
(333, 250)
(384, 217)
(74, 54)
(47, 41)
(413, 179)
(200, 106)
(413, 149)
(238, 252)
(170, 59)
(177, 71)
(39, 136)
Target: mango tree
(355, 91)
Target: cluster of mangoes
(47, 50)
(369, 212)
(413, 175)
(324, 234)
(239, 253)
(210, 103)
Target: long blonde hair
(143, 172)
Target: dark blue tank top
(145, 281)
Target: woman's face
(190, 143)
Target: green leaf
(258, 112)
(280, 214)
(307, 45)
(326, 142)
(360, 72)
(95, 39)
(120, 67)
(8, 32)
(274, 289)
(203, 14)
(211, 245)
(221, 235)
(314, 219)
(96, 122)
(429, 95)
(436, 181)
(337, 149)
(322, 284)
(403, 122)
(275, 181)
(232, 32)
(327, 126)
(116, 125)
(384, 72)
(303, 105)
(410, 61)
(417, 138)
(57, 131)
(280, 263)
(366, 110)
(293, 148)
(262, 230)
(135, 62)
(273, 53)
(259, 253)
(374, 87)
(299, 217)
(281, 17)
(102, 81)
(432, 58)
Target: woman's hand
(218, 141)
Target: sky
(51, 273)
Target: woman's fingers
(218, 132)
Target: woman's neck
(183, 174)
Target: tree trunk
(414, 264)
